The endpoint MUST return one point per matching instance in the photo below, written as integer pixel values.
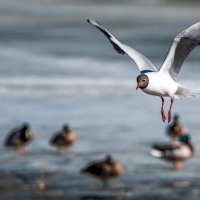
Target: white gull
(162, 82)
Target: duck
(64, 138)
(176, 128)
(104, 169)
(19, 137)
(175, 151)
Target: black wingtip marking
(106, 33)
(99, 26)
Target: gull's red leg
(162, 110)
(169, 112)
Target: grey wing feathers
(141, 61)
(181, 46)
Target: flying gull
(162, 82)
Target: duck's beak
(190, 143)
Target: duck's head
(25, 132)
(186, 139)
(109, 159)
(66, 128)
(176, 118)
(142, 81)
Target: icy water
(56, 68)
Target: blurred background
(55, 68)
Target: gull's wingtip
(91, 21)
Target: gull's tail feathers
(187, 91)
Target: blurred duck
(175, 151)
(63, 138)
(104, 169)
(175, 129)
(19, 137)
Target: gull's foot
(163, 115)
(169, 116)
(169, 112)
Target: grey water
(55, 68)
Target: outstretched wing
(140, 60)
(180, 48)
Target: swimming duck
(175, 129)
(19, 137)
(63, 138)
(175, 151)
(104, 169)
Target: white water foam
(62, 86)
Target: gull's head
(142, 81)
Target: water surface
(56, 68)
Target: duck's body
(162, 82)
(63, 138)
(19, 137)
(104, 169)
(175, 151)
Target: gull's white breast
(160, 85)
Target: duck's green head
(185, 138)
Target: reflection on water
(31, 185)
(61, 178)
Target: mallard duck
(104, 169)
(19, 137)
(175, 151)
(63, 138)
(175, 129)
